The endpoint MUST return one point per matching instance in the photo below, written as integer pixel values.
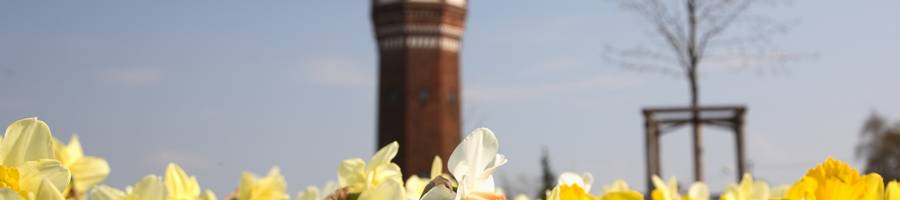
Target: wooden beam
(651, 143)
(668, 109)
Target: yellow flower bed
(36, 166)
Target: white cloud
(338, 72)
(134, 76)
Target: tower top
(457, 3)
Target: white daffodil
(472, 164)
(28, 169)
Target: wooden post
(739, 142)
(652, 147)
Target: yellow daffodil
(28, 169)
(150, 187)
(313, 193)
(748, 189)
(415, 185)
(361, 177)
(472, 164)
(572, 186)
(176, 185)
(835, 180)
(271, 187)
(180, 186)
(87, 171)
(619, 190)
(665, 191)
(669, 191)
(892, 191)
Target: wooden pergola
(659, 120)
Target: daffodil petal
(73, 150)
(478, 148)
(89, 171)
(874, 185)
(439, 193)
(779, 192)
(271, 187)
(104, 192)
(387, 172)
(311, 193)
(892, 191)
(415, 187)
(7, 194)
(47, 191)
(437, 167)
(383, 156)
(27, 139)
(660, 189)
(698, 191)
(568, 178)
(391, 189)
(150, 188)
(246, 185)
(623, 195)
(760, 191)
(179, 185)
(208, 195)
(33, 173)
(350, 174)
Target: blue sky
(222, 87)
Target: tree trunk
(694, 60)
(697, 141)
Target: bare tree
(694, 33)
(879, 147)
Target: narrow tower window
(423, 95)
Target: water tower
(418, 86)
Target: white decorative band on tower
(458, 3)
(420, 42)
(443, 29)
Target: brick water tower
(418, 88)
